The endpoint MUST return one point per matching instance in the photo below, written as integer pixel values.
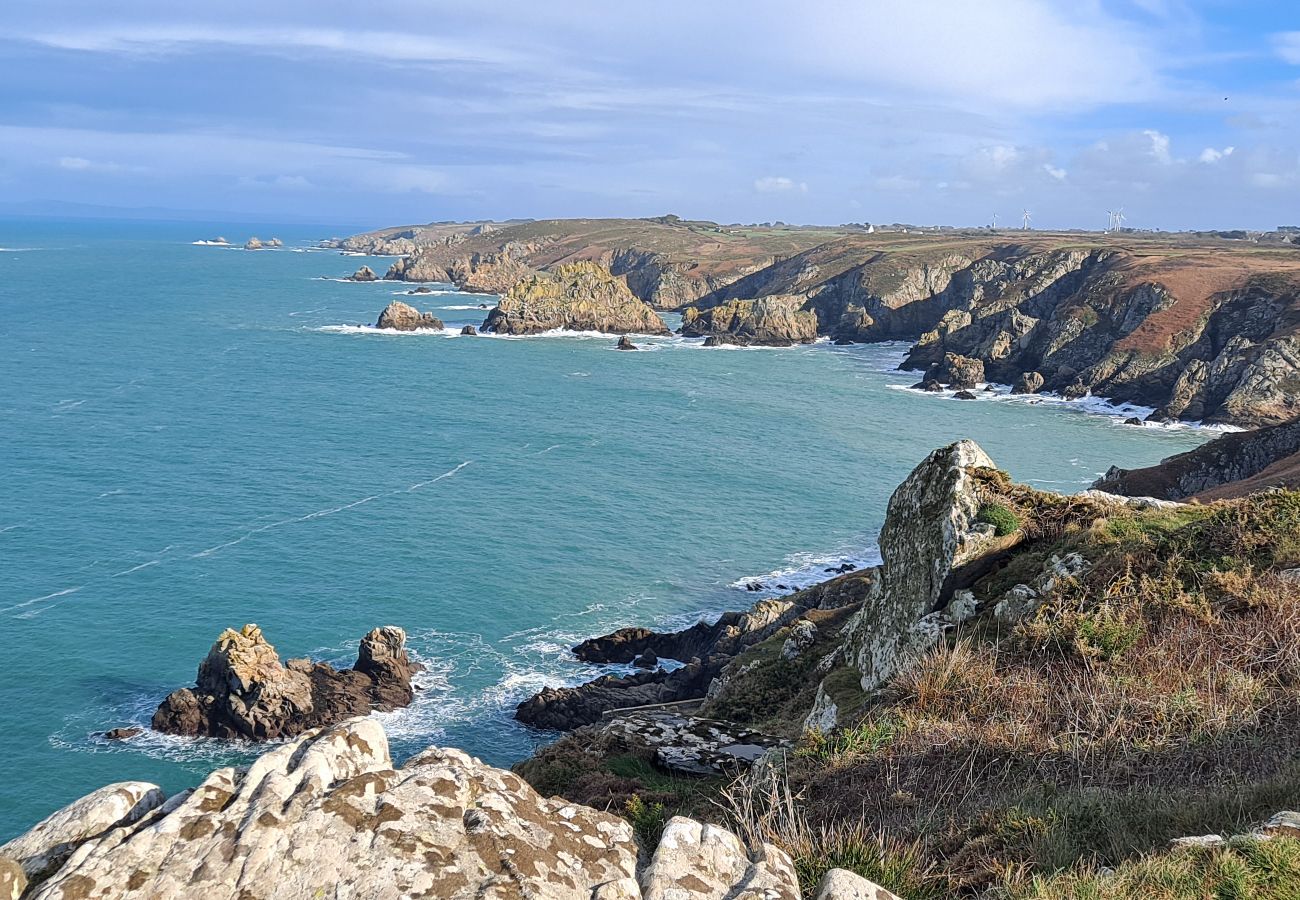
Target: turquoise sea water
(188, 441)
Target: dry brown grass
(1156, 695)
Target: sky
(1186, 113)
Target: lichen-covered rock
(43, 849)
(581, 296)
(689, 744)
(13, 881)
(803, 634)
(704, 862)
(243, 690)
(399, 316)
(960, 372)
(930, 530)
(328, 816)
(841, 884)
(1028, 383)
(774, 321)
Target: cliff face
(1229, 466)
(573, 297)
(775, 321)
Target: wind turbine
(1025, 226)
(994, 226)
(1119, 219)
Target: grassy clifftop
(1048, 746)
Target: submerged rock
(964, 395)
(329, 815)
(400, 316)
(243, 691)
(123, 734)
(581, 296)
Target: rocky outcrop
(489, 273)
(930, 531)
(690, 745)
(329, 815)
(417, 268)
(254, 243)
(243, 690)
(1231, 465)
(399, 316)
(573, 297)
(469, 331)
(776, 321)
(958, 372)
(1028, 383)
(566, 708)
(40, 852)
(705, 862)
(365, 273)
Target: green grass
(1001, 517)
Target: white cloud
(1057, 173)
(772, 184)
(1159, 146)
(1210, 155)
(1287, 46)
(81, 164)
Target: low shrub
(1001, 517)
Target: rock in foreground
(243, 691)
(329, 816)
(581, 296)
(399, 316)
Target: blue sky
(1185, 112)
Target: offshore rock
(330, 816)
(243, 691)
(365, 273)
(469, 331)
(774, 321)
(1028, 383)
(581, 296)
(625, 344)
(959, 372)
(400, 316)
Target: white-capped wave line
(143, 565)
(35, 600)
(447, 474)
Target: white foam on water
(211, 243)
(802, 570)
(461, 307)
(370, 329)
(1089, 405)
(20, 249)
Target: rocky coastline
(962, 658)
(1196, 328)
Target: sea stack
(244, 691)
(399, 316)
(580, 296)
(365, 273)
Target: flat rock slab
(692, 745)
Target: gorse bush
(1001, 517)
(648, 820)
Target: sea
(193, 437)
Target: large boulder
(399, 316)
(776, 321)
(841, 884)
(960, 372)
(41, 851)
(704, 862)
(580, 296)
(330, 816)
(930, 531)
(244, 691)
(1028, 383)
